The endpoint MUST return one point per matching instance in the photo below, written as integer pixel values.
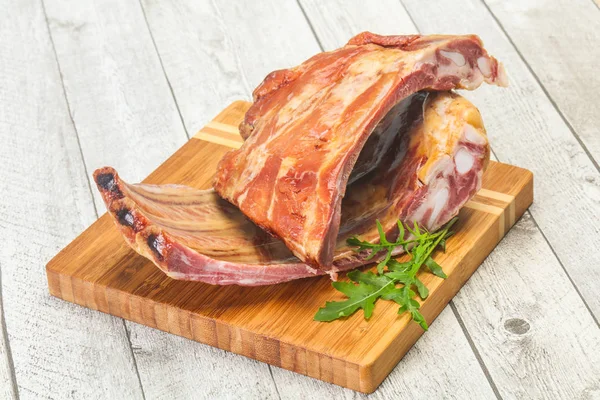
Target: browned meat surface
(424, 160)
(308, 125)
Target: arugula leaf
(368, 278)
(421, 288)
(362, 296)
(419, 318)
(435, 268)
(384, 262)
(382, 239)
(404, 277)
(407, 303)
(366, 288)
(394, 265)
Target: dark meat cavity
(369, 131)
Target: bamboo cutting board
(275, 323)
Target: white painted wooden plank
(173, 367)
(126, 116)
(217, 52)
(268, 35)
(335, 22)
(522, 279)
(536, 337)
(8, 384)
(120, 101)
(439, 366)
(199, 58)
(526, 130)
(59, 350)
(559, 40)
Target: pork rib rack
(308, 125)
(424, 160)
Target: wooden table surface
(89, 83)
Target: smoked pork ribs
(308, 124)
(368, 132)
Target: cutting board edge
(372, 371)
(66, 288)
(369, 373)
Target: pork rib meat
(308, 125)
(424, 160)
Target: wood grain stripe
(502, 226)
(507, 198)
(216, 134)
(219, 137)
(224, 127)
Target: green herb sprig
(366, 288)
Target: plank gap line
(163, 69)
(87, 176)
(542, 87)
(312, 28)
(4, 337)
(133, 356)
(64, 91)
(238, 61)
(484, 368)
(565, 270)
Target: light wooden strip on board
(496, 195)
(491, 210)
(484, 207)
(224, 127)
(208, 137)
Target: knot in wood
(517, 326)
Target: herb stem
(366, 288)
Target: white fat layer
(294, 101)
(242, 197)
(484, 66)
(185, 259)
(177, 275)
(501, 78)
(455, 57)
(440, 199)
(251, 171)
(442, 164)
(473, 135)
(286, 164)
(311, 270)
(470, 78)
(247, 281)
(464, 160)
(441, 105)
